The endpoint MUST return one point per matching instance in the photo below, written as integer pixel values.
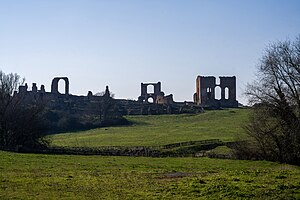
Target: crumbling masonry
(54, 85)
(149, 102)
(206, 89)
(157, 96)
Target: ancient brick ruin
(206, 89)
(149, 102)
(65, 111)
(62, 101)
(54, 85)
(157, 96)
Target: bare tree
(106, 106)
(20, 123)
(274, 126)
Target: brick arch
(54, 85)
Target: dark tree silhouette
(274, 126)
(107, 109)
(20, 123)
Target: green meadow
(153, 130)
(37, 176)
(42, 176)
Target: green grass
(221, 150)
(38, 176)
(154, 130)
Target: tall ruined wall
(206, 88)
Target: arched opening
(55, 85)
(150, 100)
(218, 81)
(62, 86)
(226, 93)
(150, 89)
(218, 92)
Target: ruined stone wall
(162, 104)
(66, 102)
(206, 91)
(167, 100)
(146, 95)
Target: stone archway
(146, 92)
(54, 85)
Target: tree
(274, 126)
(20, 122)
(106, 106)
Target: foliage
(20, 124)
(153, 130)
(66, 117)
(38, 176)
(275, 123)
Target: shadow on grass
(79, 126)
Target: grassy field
(154, 130)
(40, 176)
(37, 176)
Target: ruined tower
(206, 89)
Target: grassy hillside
(155, 130)
(37, 176)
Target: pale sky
(122, 43)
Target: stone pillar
(222, 93)
(66, 86)
(42, 88)
(34, 88)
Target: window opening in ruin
(218, 92)
(150, 89)
(150, 100)
(209, 95)
(62, 86)
(226, 93)
(217, 81)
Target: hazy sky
(122, 43)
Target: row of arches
(217, 93)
